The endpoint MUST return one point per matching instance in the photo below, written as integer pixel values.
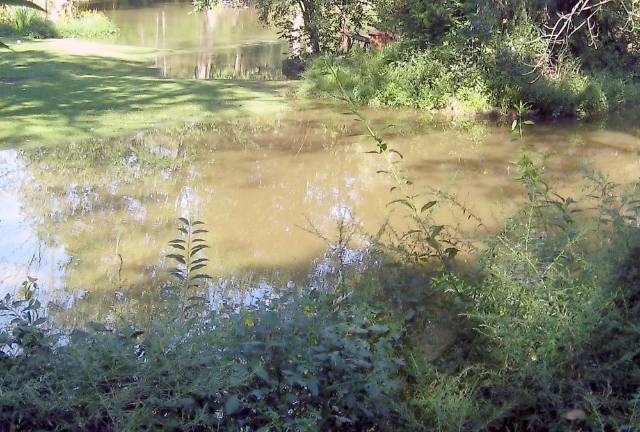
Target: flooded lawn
(92, 221)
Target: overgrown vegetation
(282, 362)
(562, 58)
(31, 23)
(542, 333)
(545, 337)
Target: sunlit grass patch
(66, 89)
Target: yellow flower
(249, 322)
(307, 310)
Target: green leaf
(378, 329)
(178, 258)
(514, 125)
(436, 230)
(410, 315)
(403, 201)
(178, 274)
(433, 243)
(396, 152)
(198, 267)
(232, 405)
(529, 122)
(39, 321)
(261, 372)
(184, 220)
(198, 248)
(427, 206)
(313, 386)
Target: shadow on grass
(51, 97)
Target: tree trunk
(310, 27)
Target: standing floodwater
(95, 224)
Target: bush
(29, 23)
(86, 24)
(474, 76)
(26, 22)
(556, 319)
(401, 77)
(282, 364)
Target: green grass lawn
(58, 90)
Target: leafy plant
(25, 320)
(188, 255)
(21, 3)
(521, 109)
(424, 240)
(190, 261)
(283, 363)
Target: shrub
(556, 339)
(284, 363)
(474, 75)
(19, 21)
(400, 77)
(25, 22)
(86, 24)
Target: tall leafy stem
(521, 109)
(190, 260)
(428, 240)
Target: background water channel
(222, 43)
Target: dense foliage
(313, 26)
(281, 363)
(561, 58)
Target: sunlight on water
(92, 223)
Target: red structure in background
(376, 39)
(380, 40)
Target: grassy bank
(471, 57)
(53, 90)
(453, 80)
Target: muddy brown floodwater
(93, 223)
